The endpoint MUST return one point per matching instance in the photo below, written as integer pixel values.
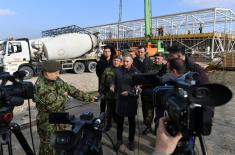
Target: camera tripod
(5, 139)
(186, 146)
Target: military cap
(117, 57)
(51, 66)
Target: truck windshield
(14, 47)
(3, 48)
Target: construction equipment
(74, 48)
(152, 46)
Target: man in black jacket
(105, 61)
(144, 64)
(126, 104)
(179, 52)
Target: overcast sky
(27, 18)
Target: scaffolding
(64, 30)
(208, 32)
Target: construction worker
(109, 97)
(144, 64)
(51, 94)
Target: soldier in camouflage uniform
(51, 94)
(159, 65)
(109, 97)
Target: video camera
(85, 136)
(12, 95)
(13, 92)
(190, 107)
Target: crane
(152, 46)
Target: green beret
(51, 66)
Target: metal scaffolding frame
(216, 24)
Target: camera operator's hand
(165, 143)
(112, 88)
(94, 98)
(124, 93)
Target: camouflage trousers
(148, 110)
(45, 130)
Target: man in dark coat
(144, 64)
(104, 62)
(126, 105)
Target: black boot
(118, 144)
(131, 146)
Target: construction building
(207, 33)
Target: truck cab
(16, 56)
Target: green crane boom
(148, 20)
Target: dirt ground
(220, 142)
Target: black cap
(176, 49)
(51, 66)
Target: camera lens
(62, 140)
(201, 93)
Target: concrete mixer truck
(75, 51)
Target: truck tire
(28, 70)
(78, 67)
(91, 66)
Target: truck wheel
(91, 66)
(78, 67)
(28, 70)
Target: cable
(138, 126)
(110, 139)
(30, 127)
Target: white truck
(75, 51)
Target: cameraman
(179, 52)
(176, 68)
(51, 94)
(165, 143)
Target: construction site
(207, 35)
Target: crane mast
(148, 21)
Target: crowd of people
(115, 81)
(121, 95)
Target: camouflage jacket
(50, 96)
(156, 68)
(106, 80)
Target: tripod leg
(15, 128)
(1, 151)
(203, 145)
(9, 145)
(9, 148)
